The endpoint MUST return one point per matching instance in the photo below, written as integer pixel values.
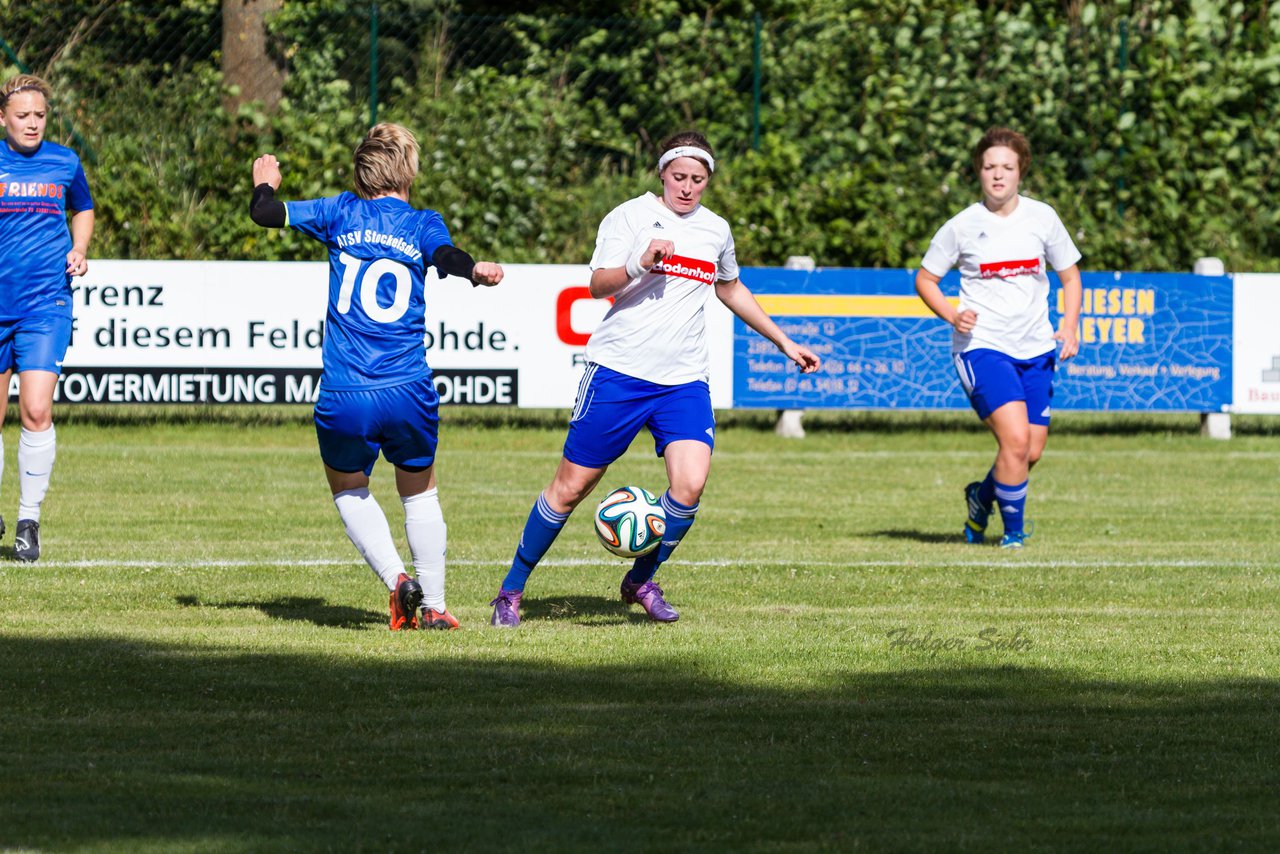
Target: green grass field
(201, 663)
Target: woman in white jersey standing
(660, 257)
(1003, 345)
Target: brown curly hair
(1007, 138)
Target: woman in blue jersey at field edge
(40, 182)
(376, 393)
(1003, 344)
(660, 258)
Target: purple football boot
(506, 609)
(649, 597)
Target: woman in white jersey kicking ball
(660, 257)
(1003, 345)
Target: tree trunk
(245, 62)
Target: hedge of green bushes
(1154, 123)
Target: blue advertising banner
(1148, 341)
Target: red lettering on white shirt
(687, 268)
(1009, 269)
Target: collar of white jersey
(656, 202)
(1016, 212)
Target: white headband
(27, 88)
(686, 151)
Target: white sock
(367, 527)
(428, 538)
(36, 452)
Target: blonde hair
(386, 161)
(22, 83)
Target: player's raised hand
(658, 251)
(486, 273)
(648, 255)
(266, 170)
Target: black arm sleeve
(264, 209)
(454, 262)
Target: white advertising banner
(1256, 359)
(251, 332)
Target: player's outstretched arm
(264, 208)
(452, 261)
(743, 303)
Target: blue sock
(987, 489)
(540, 531)
(1012, 500)
(679, 521)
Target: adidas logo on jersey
(657, 224)
(982, 235)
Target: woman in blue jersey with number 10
(40, 182)
(376, 394)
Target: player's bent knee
(1016, 452)
(566, 495)
(686, 493)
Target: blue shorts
(992, 379)
(612, 407)
(35, 343)
(402, 422)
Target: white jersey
(1003, 275)
(655, 329)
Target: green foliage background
(1154, 124)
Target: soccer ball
(630, 522)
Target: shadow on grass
(128, 745)
(919, 536)
(584, 610)
(308, 609)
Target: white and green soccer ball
(630, 521)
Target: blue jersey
(36, 190)
(379, 251)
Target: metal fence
(632, 79)
(862, 107)
(707, 72)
